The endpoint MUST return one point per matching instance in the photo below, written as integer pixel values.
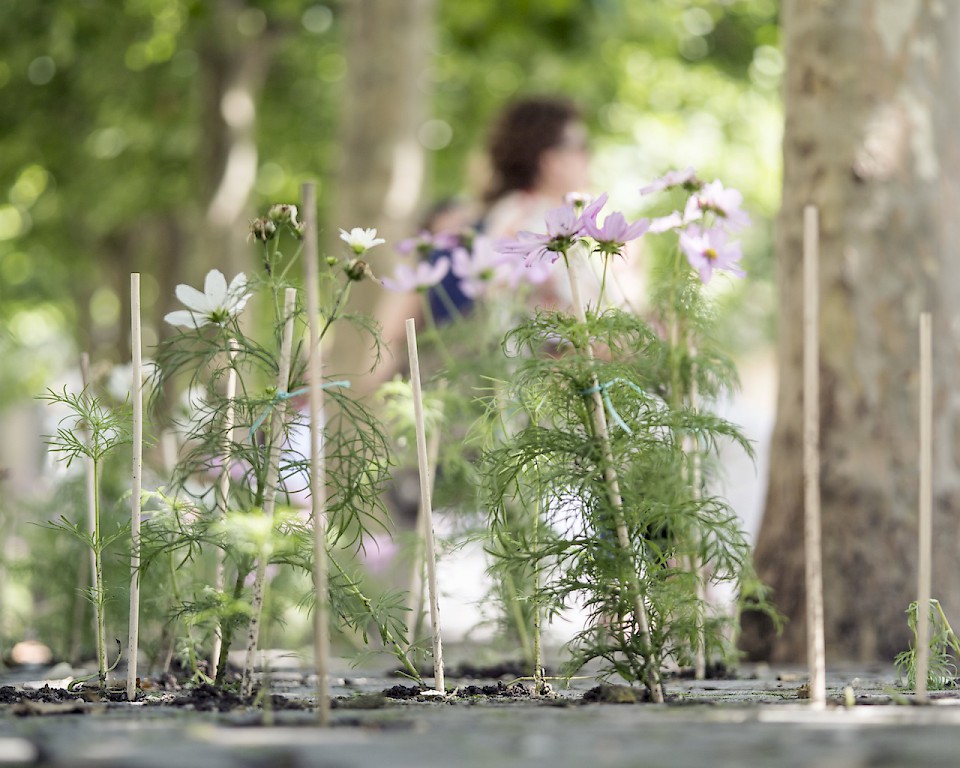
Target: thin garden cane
(270, 487)
(692, 450)
(136, 394)
(925, 502)
(599, 418)
(426, 505)
(318, 482)
(811, 459)
(417, 577)
(223, 498)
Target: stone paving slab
(754, 721)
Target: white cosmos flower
(216, 304)
(361, 240)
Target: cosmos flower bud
(357, 270)
(283, 214)
(263, 229)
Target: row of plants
(582, 438)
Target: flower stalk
(270, 489)
(599, 420)
(223, 499)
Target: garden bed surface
(758, 718)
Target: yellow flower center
(711, 254)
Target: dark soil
(500, 690)
(46, 695)
(615, 694)
(209, 698)
(714, 671)
(470, 671)
(403, 691)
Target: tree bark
(870, 137)
(379, 181)
(234, 69)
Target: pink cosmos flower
(615, 232)
(709, 250)
(725, 203)
(425, 242)
(688, 176)
(421, 243)
(417, 278)
(482, 268)
(665, 223)
(563, 230)
(518, 272)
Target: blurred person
(539, 154)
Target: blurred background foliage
(143, 135)
(115, 116)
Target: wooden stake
(599, 415)
(417, 586)
(318, 482)
(426, 504)
(926, 508)
(691, 447)
(223, 499)
(136, 395)
(270, 489)
(816, 656)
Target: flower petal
(193, 299)
(215, 286)
(184, 318)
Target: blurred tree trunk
(234, 66)
(871, 138)
(379, 181)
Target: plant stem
(398, 649)
(227, 629)
(99, 601)
(175, 592)
(599, 418)
(538, 682)
(270, 491)
(513, 598)
(91, 489)
(318, 468)
(224, 492)
(341, 297)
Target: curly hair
(521, 134)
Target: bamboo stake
(926, 509)
(417, 578)
(599, 416)
(691, 447)
(426, 503)
(816, 655)
(136, 395)
(270, 487)
(318, 482)
(223, 498)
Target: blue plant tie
(281, 396)
(602, 389)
